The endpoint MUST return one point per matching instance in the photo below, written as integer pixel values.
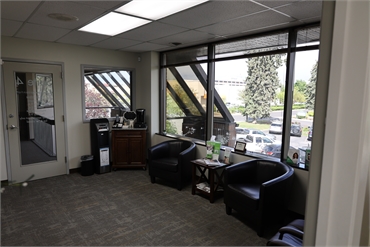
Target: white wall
(72, 57)
(147, 94)
(345, 156)
(3, 171)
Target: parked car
(274, 150)
(255, 143)
(242, 132)
(309, 138)
(296, 130)
(276, 128)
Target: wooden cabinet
(129, 148)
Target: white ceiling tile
(152, 31)
(115, 43)
(44, 33)
(272, 27)
(275, 3)
(212, 12)
(185, 37)
(107, 5)
(311, 9)
(81, 38)
(208, 22)
(17, 10)
(243, 24)
(145, 47)
(84, 13)
(9, 28)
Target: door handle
(13, 127)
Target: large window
(185, 97)
(106, 92)
(259, 90)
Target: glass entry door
(35, 124)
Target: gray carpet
(120, 208)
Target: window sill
(300, 166)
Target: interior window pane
(186, 100)
(250, 90)
(107, 92)
(305, 75)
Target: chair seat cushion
(248, 193)
(167, 164)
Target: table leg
(211, 185)
(194, 179)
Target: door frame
(4, 111)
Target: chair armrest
(275, 193)
(290, 230)
(189, 151)
(279, 179)
(188, 154)
(278, 242)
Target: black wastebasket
(87, 165)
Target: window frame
(110, 69)
(292, 47)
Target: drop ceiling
(209, 22)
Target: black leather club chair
(259, 190)
(170, 160)
(289, 235)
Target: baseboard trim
(74, 170)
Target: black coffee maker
(140, 118)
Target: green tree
(298, 97)
(172, 110)
(311, 88)
(261, 85)
(171, 127)
(300, 85)
(93, 98)
(280, 96)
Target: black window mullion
(117, 103)
(288, 98)
(177, 99)
(199, 72)
(115, 90)
(101, 91)
(124, 80)
(119, 85)
(187, 90)
(210, 91)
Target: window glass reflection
(186, 101)
(251, 90)
(305, 75)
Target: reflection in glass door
(35, 122)
(35, 102)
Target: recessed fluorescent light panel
(155, 10)
(113, 23)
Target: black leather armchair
(170, 161)
(289, 235)
(258, 189)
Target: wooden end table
(214, 179)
